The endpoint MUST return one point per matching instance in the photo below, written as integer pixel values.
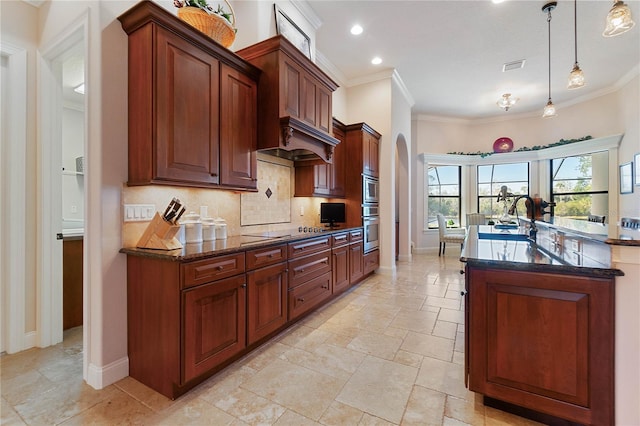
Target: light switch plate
(139, 212)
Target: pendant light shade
(576, 77)
(549, 109)
(618, 20)
(506, 101)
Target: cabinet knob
(326, 287)
(300, 299)
(219, 268)
(243, 286)
(270, 255)
(463, 293)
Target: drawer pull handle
(301, 270)
(300, 299)
(326, 287)
(220, 268)
(270, 255)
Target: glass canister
(221, 229)
(192, 228)
(208, 229)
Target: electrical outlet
(139, 212)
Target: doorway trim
(50, 102)
(14, 189)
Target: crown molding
(395, 77)
(309, 14)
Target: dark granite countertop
(523, 255)
(232, 244)
(597, 231)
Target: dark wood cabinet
(238, 130)
(214, 325)
(370, 150)
(324, 180)
(190, 101)
(356, 262)
(267, 301)
(295, 107)
(371, 261)
(71, 282)
(542, 341)
(340, 261)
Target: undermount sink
(486, 232)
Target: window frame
(426, 224)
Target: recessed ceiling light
(79, 88)
(376, 61)
(356, 29)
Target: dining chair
(476, 219)
(456, 235)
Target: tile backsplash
(244, 212)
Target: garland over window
(533, 148)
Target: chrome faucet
(533, 229)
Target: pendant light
(549, 109)
(506, 101)
(618, 20)
(576, 77)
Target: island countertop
(524, 255)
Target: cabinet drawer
(306, 268)
(371, 261)
(309, 295)
(304, 247)
(340, 239)
(356, 235)
(266, 256)
(203, 271)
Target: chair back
(442, 224)
(476, 219)
(596, 218)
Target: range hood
(294, 103)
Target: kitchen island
(539, 323)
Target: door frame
(14, 188)
(49, 164)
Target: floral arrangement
(533, 148)
(202, 4)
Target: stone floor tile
(250, 407)
(376, 344)
(428, 345)
(114, 405)
(195, 412)
(380, 387)
(425, 407)
(443, 376)
(341, 414)
(470, 411)
(300, 389)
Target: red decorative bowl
(503, 145)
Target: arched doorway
(402, 200)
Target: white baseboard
(404, 258)
(386, 270)
(100, 377)
(30, 340)
(425, 250)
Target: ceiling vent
(515, 65)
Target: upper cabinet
(192, 105)
(364, 143)
(294, 112)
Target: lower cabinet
(187, 319)
(542, 341)
(267, 301)
(371, 261)
(356, 262)
(214, 324)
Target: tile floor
(389, 351)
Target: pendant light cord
(549, 25)
(575, 29)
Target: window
(492, 177)
(443, 183)
(579, 185)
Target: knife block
(160, 235)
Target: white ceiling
(450, 53)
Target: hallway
(390, 351)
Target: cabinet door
(186, 112)
(543, 341)
(322, 179)
(290, 89)
(324, 120)
(356, 262)
(338, 170)
(309, 100)
(267, 301)
(214, 324)
(238, 129)
(371, 146)
(340, 268)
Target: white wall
(72, 147)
